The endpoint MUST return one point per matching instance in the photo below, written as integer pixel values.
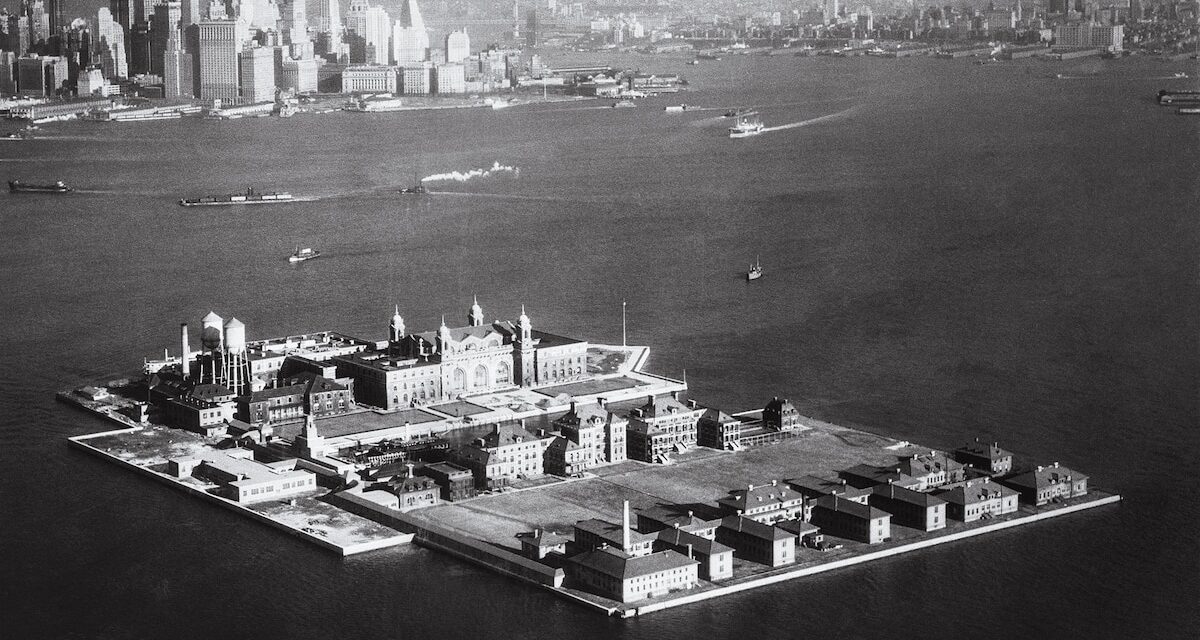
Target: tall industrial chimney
(625, 527)
(185, 359)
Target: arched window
(459, 379)
(481, 377)
(503, 373)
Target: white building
(417, 78)
(219, 49)
(258, 74)
(1089, 35)
(458, 46)
(369, 79)
(451, 78)
(110, 41)
(297, 76)
(410, 40)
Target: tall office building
(410, 40)
(258, 74)
(372, 28)
(164, 25)
(219, 47)
(458, 46)
(177, 70)
(450, 78)
(8, 76)
(139, 48)
(110, 45)
(41, 76)
(531, 28)
(297, 76)
(39, 20)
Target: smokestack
(689, 548)
(186, 352)
(625, 527)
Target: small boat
(414, 191)
(300, 255)
(694, 62)
(676, 108)
(747, 125)
(1180, 74)
(755, 271)
(16, 186)
(623, 104)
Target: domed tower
(475, 317)
(523, 352)
(443, 337)
(234, 359)
(396, 334)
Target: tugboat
(16, 186)
(300, 255)
(250, 197)
(755, 271)
(414, 191)
(747, 125)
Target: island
(556, 461)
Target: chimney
(625, 527)
(774, 483)
(689, 514)
(1039, 468)
(537, 533)
(186, 352)
(689, 548)
(602, 401)
(691, 403)
(676, 525)
(410, 469)
(1056, 465)
(751, 488)
(572, 406)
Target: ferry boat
(755, 271)
(16, 186)
(1172, 97)
(250, 197)
(747, 125)
(499, 103)
(300, 255)
(1188, 111)
(676, 108)
(414, 191)
(624, 104)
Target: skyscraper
(458, 46)
(257, 66)
(164, 26)
(110, 45)
(409, 38)
(177, 69)
(219, 48)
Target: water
(957, 251)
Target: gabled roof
(611, 532)
(508, 433)
(798, 527)
(900, 494)
(871, 475)
(1043, 477)
(814, 487)
(615, 563)
(991, 451)
(976, 491)
(926, 464)
(754, 528)
(756, 496)
(542, 538)
(208, 391)
(856, 509)
(681, 538)
(671, 515)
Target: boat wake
(459, 176)
(805, 123)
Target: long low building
(852, 520)
(242, 479)
(614, 574)
(1048, 484)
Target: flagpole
(623, 342)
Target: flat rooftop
(460, 408)
(366, 421)
(591, 387)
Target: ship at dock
(250, 197)
(16, 186)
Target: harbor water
(949, 251)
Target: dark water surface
(961, 250)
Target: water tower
(234, 360)
(211, 342)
